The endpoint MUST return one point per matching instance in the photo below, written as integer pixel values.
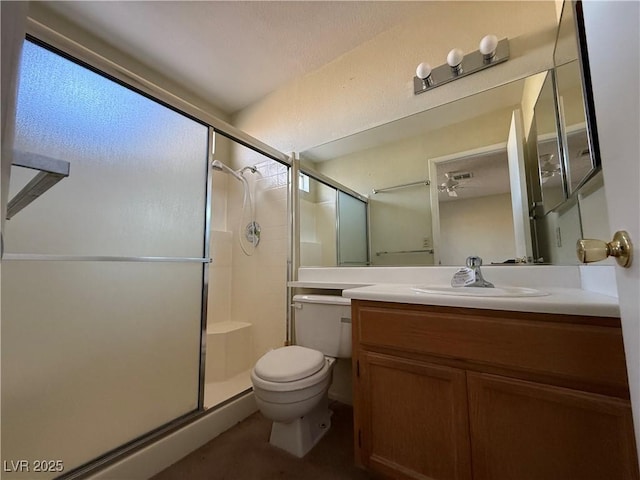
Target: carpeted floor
(244, 453)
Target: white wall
(373, 83)
(477, 226)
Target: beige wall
(372, 84)
(477, 226)
(559, 5)
(561, 229)
(532, 87)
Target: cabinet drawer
(587, 354)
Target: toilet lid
(287, 364)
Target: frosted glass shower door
(102, 280)
(352, 231)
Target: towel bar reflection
(428, 250)
(402, 185)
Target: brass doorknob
(620, 247)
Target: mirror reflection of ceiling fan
(548, 168)
(453, 182)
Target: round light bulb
(423, 71)
(455, 57)
(488, 44)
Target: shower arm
(253, 227)
(218, 165)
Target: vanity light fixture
(423, 72)
(454, 59)
(488, 46)
(491, 52)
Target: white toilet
(291, 383)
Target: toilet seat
(315, 380)
(288, 364)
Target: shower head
(218, 165)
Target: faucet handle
(473, 261)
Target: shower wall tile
(273, 175)
(258, 282)
(220, 271)
(219, 186)
(219, 299)
(221, 249)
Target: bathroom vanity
(474, 392)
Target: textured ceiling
(234, 53)
(490, 176)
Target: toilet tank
(323, 322)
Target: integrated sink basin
(479, 291)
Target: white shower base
(218, 392)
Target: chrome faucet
(474, 264)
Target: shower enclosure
(248, 272)
(103, 273)
(116, 275)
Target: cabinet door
(414, 420)
(529, 431)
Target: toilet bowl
(284, 401)
(291, 383)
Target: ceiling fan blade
(452, 193)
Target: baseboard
(346, 399)
(154, 458)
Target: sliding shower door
(102, 275)
(353, 245)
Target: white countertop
(568, 301)
(335, 285)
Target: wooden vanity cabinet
(455, 393)
(414, 418)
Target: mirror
(579, 139)
(333, 225)
(572, 189)
(470, 188)
(318, 232)
(352, 231)
(402, 167)
(550, 164)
